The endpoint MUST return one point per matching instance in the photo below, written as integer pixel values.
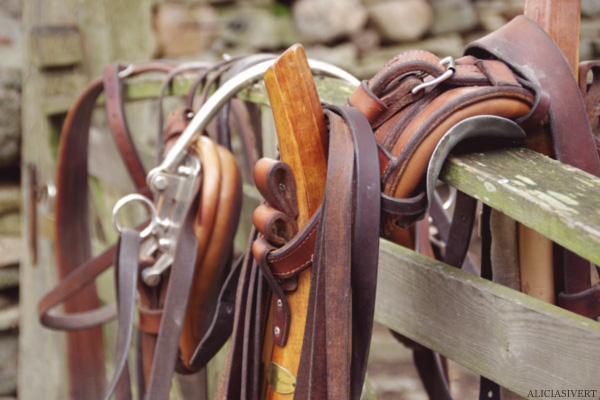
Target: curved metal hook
(221, 96)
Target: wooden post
(560, 18)
(67, 44)
(301, 133)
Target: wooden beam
(330, 90)
(520, 342)
(559, 201)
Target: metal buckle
(176, 180)
(450, 70)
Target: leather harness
(383, 142)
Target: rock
(590, 8)
(514, 8)
(324, 21)
(442, 46)
(183, 29)
(12, 7)
(453, 16)
(401, 21)
(491, 20)
(10, 111)
(586, 49)
(366, 40)
(10, 251)
(589, 28)
(259, 28)
(344, 56)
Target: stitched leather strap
(571, 135)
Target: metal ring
(136, 197)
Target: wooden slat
(522, 343)
(330, 90)
(557, 200)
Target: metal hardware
(127, 71)
(279, 303)
(450, 70)
(174, 193)
(277, 331)
(482, 125)
(224, 94)
(129, 199)
(176, 180)
(280, 379)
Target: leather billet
(201, 276)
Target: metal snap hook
(136, 197)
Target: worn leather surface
(162, 309)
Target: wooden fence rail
(520, 342)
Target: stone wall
(359, 35)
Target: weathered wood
(302, 135)
(10, 251)
(555, 199)
(105, 27)
(520, 342)
(330, 90)
(57, 46)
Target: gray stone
(323, 21)
(401, 21)
(514, 8)
(367, 40)
(453, 16)
(491, 20)
(10, 121)
(589, 28)
(590, 8)
(344, 56)
(12, 7)
(183, 29)
(442, 46)
(586, 49)
(259, 28)
(11, 39)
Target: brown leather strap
(127, 271)
(529, 50)
(324, 370)
(571, 134)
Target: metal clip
(173, 193)
(450, 70)
(127, 71)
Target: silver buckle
(450, 70)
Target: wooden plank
(520, 342)
(330, 90)
(555, 199)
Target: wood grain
(520, 342)
(302, 136)
(555, 199)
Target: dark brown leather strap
(126, 264)
(180, 281)
(113, 92)
(572, 138)
(528, 49)
(343, 241)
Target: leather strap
(571, 134)
(324, 370)
(127, 271)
